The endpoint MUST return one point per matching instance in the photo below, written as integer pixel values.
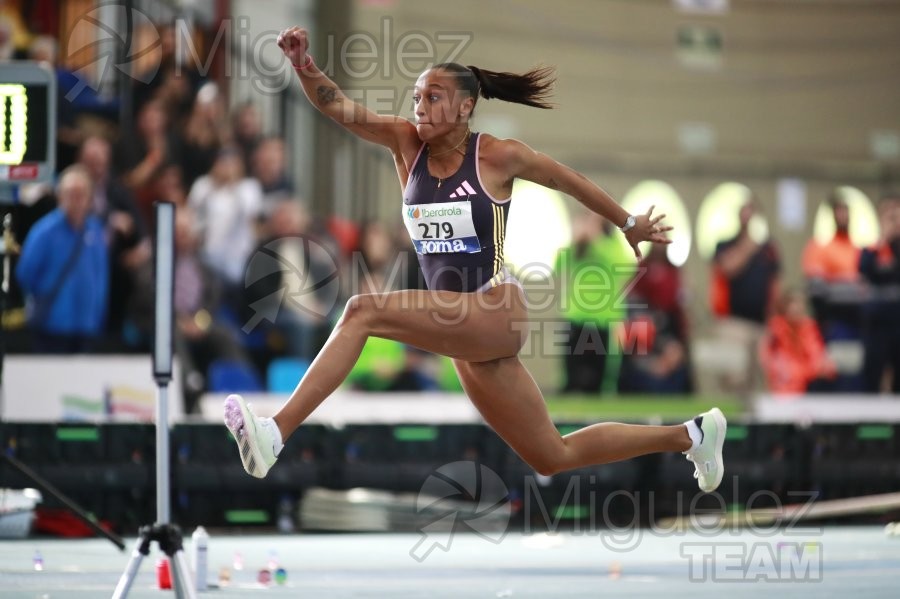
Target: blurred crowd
(838, 332)
(260, 279)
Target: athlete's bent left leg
(511, 403)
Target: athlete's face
(439, 105)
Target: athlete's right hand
(294, 42)
(647, 228)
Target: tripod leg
(131, 570)
(49, 488)
(181, 576)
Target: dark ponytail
(532, 88)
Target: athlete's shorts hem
(501, 278)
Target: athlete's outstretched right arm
(392, 132)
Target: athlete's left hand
(647, 228)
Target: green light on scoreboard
(14, 123)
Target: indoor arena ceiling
(774, 80)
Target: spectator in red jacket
(792, 352)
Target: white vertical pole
(162, 348)
(162, 455)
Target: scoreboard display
(27, 122)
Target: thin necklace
(465, 139)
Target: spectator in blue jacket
(63, 270)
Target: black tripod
(167, 535)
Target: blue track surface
(832, 562)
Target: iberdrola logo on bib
(413, 212)
(450, 211)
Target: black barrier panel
(109, 469)
(129, 443)
(402, 457)
(854, 459)
(210, 486)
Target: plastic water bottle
(285, 515)
(272, 564)
(37, 561)
(200, 558)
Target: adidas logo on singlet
(463, 190)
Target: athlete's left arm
(525, 163)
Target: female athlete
(456, 188)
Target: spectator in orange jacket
(792, 352)
(835, 289)
(838, 259)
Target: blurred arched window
(864, 228)
(538, 226)
(718, 218)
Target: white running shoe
(707, 456)
(253, 435)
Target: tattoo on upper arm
(326, 94)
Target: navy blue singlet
(458, 228)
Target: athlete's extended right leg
(470, 326)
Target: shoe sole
(721, 427)
(250, 456)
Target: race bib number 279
(442, 228)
